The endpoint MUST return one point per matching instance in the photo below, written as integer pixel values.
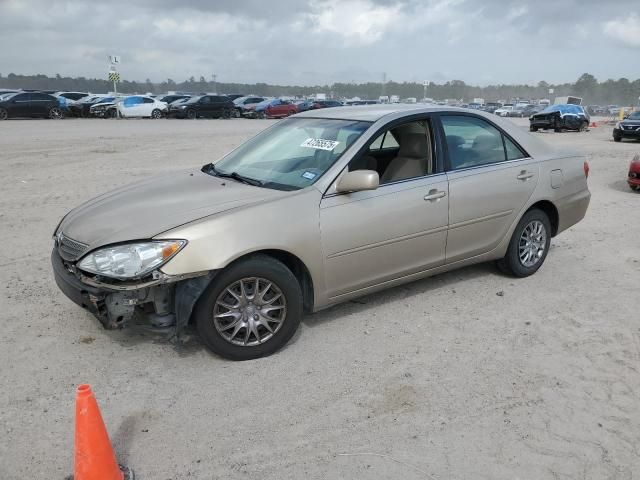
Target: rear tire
(226, 114)
(3, 114)
(191, 114)
(635, 188)
(533, 129)
(261, 115)
(113, 113)
(528, 246)
(55, 113)
(236, 113)
(224, 333)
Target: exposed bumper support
(165, 301)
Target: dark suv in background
(211, 106)
(29, 104)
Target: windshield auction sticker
(320, 144)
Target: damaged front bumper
(162, 300)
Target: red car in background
(634, 173)
(281, 109)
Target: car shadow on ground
(188, 343)
(623, 186)
(402, 292)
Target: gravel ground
(469, 374)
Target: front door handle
(434, 195)
(524, 175)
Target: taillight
(586, 169)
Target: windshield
(294, 153)
(634, 115)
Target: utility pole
(215, 86)
(425, 84)
(384, 84)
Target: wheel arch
(551, 211)
(297, 267)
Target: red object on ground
(633, 179)
(94, 456)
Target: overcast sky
(308, 42)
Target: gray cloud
(324, 41)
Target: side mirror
(358, 180)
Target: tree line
(622, 91)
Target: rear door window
(473, 142)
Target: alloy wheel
(250, 311)
(532, 243)
(3, 114)
(55, 113)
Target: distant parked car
(325, 104)
(504, 110)
(139, 106)
(524, 111)
(490, 107)
(104, 108)
(560, 117)
(234, 96)
(82, 107)
(633, 179)
(257, 111)
(29, 104)
(210, 106)
(628, 128)
(245, 104)
(280, 109)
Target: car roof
(372, 113)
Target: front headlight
(130, 260)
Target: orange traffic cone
(593, 125)
(94, 456)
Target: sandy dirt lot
(467, 375)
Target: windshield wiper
(211, 169)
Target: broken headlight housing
(130, 260)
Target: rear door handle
(434, 195)
(524, 175)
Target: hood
(631, 121)
(147, 208)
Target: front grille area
(69, 249)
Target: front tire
(191, 114)
(528, 246)
(617, 139)
(533, 129)
(250, 310)
(156, 113)
(556, 125)
(635, 188)
(3, 114)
